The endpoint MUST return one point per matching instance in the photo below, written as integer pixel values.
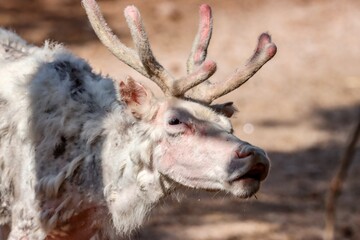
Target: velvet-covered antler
(207, 92)
(143, 60)
(194, 85)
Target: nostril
(242, 154)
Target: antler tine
(204, 71)
(198, 69)
(107, 37)
(265, 50)
(155, 71)
(202, 39)
(143, 61)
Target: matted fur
(59, 125)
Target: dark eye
(174, 121)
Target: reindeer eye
(174, 121)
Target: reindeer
(83, 156)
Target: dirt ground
(300, 107)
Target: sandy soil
(300, 107)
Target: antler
(202, 39)
(208, 92)
(198, 69)
(143, 61)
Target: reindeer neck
(131, 184)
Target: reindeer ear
(132, 92)
(136, 96)
(227, 109)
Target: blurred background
(300, 107)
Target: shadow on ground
(291, 200)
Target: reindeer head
(196, 147)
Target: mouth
(257, 173)
(246, 171)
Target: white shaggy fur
(79, 161)
(58, 120)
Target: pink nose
(249, 162)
